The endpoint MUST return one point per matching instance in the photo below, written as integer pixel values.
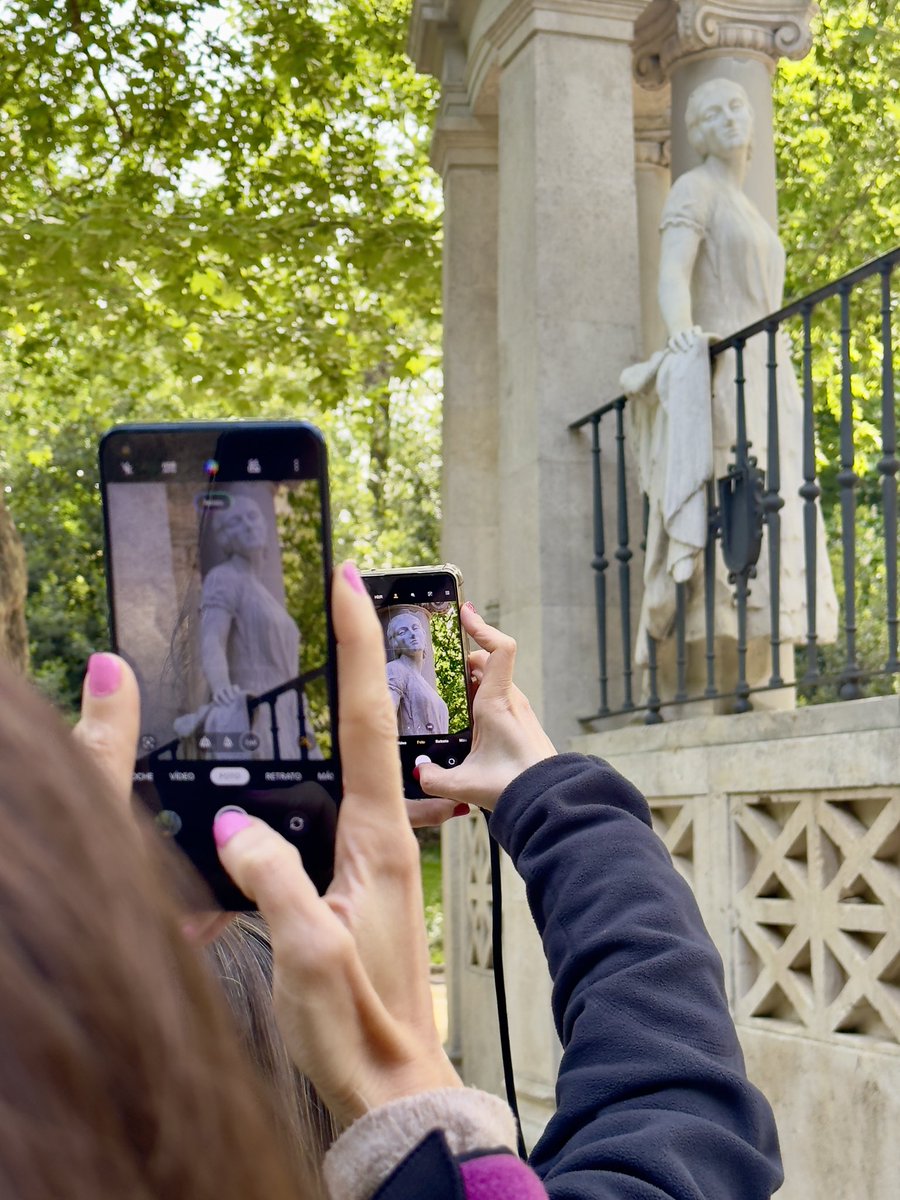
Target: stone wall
(787, 826)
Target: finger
(110, 719)
(367, 727)
(498, 670)
(477, 662)
(424, 814)
(453, 785)
(268, 870)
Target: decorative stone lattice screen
(818, 912)
(476, 855)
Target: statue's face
(241, 529)
(405, 635)
(725, 121)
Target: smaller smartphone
(426, 669)
(218, 567)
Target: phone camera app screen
(219, 590)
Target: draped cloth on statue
(738, 278)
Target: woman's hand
(108, 729)
(507, 737)
(110, 720)
(351, 986)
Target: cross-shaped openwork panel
(673, 821)
(476, 856)
(818, 912)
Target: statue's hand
(225, 695)
(684, 339)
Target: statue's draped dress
(738, 278)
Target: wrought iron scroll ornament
(742, 511)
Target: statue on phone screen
(249, 645)
(419, 708)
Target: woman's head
(240, 528)
(405, 634)
(241, 960)
(719, 118)
(120, 1074)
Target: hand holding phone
(218, 571)
(418, 608)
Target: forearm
(652, 1093)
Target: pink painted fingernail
(227, 822)
(104, 673)
(471, 607)
(415, 774)
(461, 810)
(353, 577)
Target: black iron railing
(173, 750)
(744, 507)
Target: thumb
(449, 783)
(110, 719)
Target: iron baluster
(301, 724)
(273, 725)
(709, 589)
(847, 479)
(680, 643)
(741, 516)
(624, 555)
(652, 716)
(599, 564)
(809, 492)
(888, 466)
(773, 503)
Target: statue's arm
(215, 625)
(678, 253)
(395, 684)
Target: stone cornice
(670, 31)
(430, 22)
(497, 43)
(462, 139)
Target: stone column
(569, 320)
(464, 152)
(690, 41)
(652, 177)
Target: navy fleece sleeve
(653, 1099)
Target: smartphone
(218, 569)
(427, 674)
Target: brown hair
(120, 1073)
(241, 960)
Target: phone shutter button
(296, 824)
(229, 776)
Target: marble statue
(721, 268)
(249, 644)
(419, 708)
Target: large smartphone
(427, 674)
(218, 568)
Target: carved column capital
(670, 32)
(652, 126)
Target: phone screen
(426, 666)
(218, 568)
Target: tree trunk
(13, 586)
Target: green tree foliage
(206, 210)
(450, 668)
(837, 123)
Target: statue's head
(405, 634)
(719, 118)
(240, 528)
